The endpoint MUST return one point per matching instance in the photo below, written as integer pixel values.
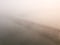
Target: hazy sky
(45, 12)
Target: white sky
(46, 12)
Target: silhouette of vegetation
(21, 32)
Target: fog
(29, 22)
(46, 12)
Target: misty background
(44, 12)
